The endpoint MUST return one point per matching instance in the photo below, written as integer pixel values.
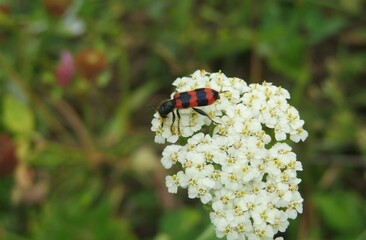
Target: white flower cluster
(234, 165)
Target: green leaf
(54, 155)
(320, 27)
(17, 117)
(77, 220)
(4, 234)
(184, 224)
(341, 211)
(342, 131)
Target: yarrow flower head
(234, 157)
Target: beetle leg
(173, 120)
(178, 114)
(203, 113)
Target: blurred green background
(79, 82)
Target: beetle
(191, 99)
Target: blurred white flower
(248, 178)
(72, 25)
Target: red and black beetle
(190, 99)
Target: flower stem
(208, 233)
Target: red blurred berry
(56, 7)
(90, 63)
(5, 10)
(5, 25)
(8, 158)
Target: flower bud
(65, 69)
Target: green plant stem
(362, 236)
(119, 124)
(301, 83)
(76, 124)
(208, 233)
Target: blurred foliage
(78, 79)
